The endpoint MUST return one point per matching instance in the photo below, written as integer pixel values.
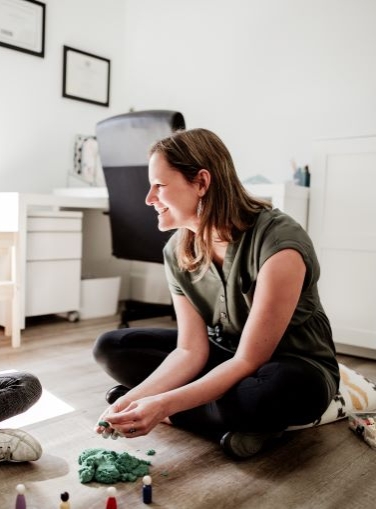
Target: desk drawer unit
(53, 262)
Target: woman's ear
(203, 179)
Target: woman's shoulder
(272, 215)
(275, 230)
(277, 220)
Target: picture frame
(22, 26)
(86, 77)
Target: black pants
(285, 391)
(18, 392)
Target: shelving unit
(287, 197)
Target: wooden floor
(325, 467)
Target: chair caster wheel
(73, 316)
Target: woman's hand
(119, 405)
(136, 418)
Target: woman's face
(173, 197)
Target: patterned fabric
(356, 394)
(87, 164)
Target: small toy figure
(146, 490)
(65, 504)
(111, 501)
(20, 500)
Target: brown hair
(227, 207)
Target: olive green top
(224, 297)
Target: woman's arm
(277, 292)
(181, 366)
(186, 361)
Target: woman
(253, 351)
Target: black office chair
(123, 143)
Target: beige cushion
(356, 394)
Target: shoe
(16, 445)
(115, 392)
(238, 445)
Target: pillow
(355, 394)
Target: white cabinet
(53, 262)
(342, 225)
(287, 197)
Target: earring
(199, 208)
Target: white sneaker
(17, 445)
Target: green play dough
(110, 467)
(105, 424)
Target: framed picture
(86, 77)
(22, 26)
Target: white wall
(269, 76)
(38, 125)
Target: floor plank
(324, 467)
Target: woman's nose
(149, 199)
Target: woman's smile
(171, 192)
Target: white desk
(14, 211)
(139, 280)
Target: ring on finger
(132, 430)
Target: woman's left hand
(138, 418)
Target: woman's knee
(113, 345)
(103, 346)
(118, 342)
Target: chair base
(136, 310)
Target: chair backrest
(123, 143)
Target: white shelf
(288, 197)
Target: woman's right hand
(120, 404)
